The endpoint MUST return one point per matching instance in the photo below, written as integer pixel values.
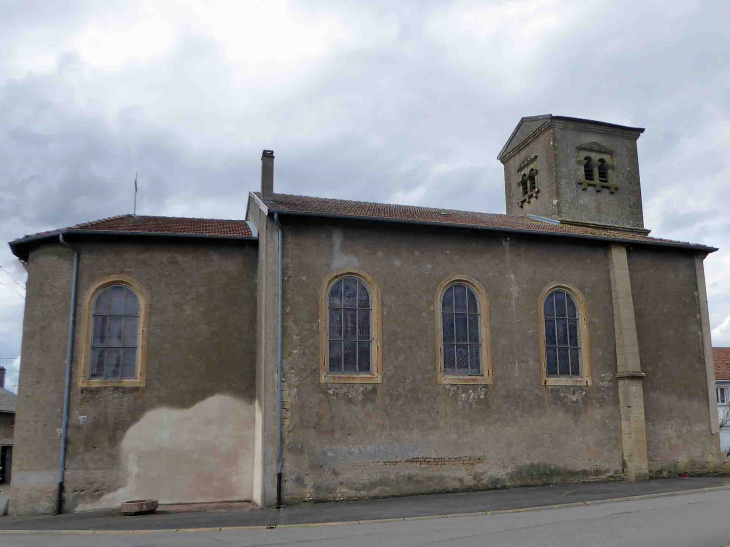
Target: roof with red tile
(146, 225)
(721, 358)
(326, 207)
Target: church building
(324, 349)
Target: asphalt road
(696, 520)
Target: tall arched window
(115, 334)
(564, 337)
(602, 170)
(350, 328)
(460, 330)
(463, 332)
(588, 168)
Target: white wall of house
(723, 413)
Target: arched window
(524, 183)
(463, 337)
(564, 340)
(350, 328)
(588, 168)
(532, 181)
(602, 171)
(115, 334)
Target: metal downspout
(279, 369)
(69, 356)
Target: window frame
(486, 377)
(725, 388)
(585, 378)
(84, 381)
(376, 330)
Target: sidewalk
(246, 514)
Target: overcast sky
(404, 102)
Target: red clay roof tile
(155, 225)
(285, 203)
(721, 358)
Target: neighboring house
(721, 358)
(325, 349)
(8, 403)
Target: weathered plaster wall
(188, 434)
(267, 351)
(546, 202)
(666, 306)
(409, 434)
(621, 208)
(7, 428)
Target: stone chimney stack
(267, 175)
(2, 377)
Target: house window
(722, 396)
(463, 332)
(564, 346)
(350, 329)
(115, 334)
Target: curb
(372, 521)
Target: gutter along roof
(143, 225)
(427, 216)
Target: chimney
(2, 377)
(267, 175)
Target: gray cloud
(362, 101)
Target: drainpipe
(69, 356)
(279, 369)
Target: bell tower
(577, 171)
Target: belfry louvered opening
(588, 168)
(602, 170)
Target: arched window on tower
(602, 170)
(588, 168)
(532, 181)
(523, 185)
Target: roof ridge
(180, 218)
(398, 205)
(82, 224)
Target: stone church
(324, 349)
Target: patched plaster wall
(200, 387)
(203, 453)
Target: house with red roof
(721, 358)
(319, 349)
